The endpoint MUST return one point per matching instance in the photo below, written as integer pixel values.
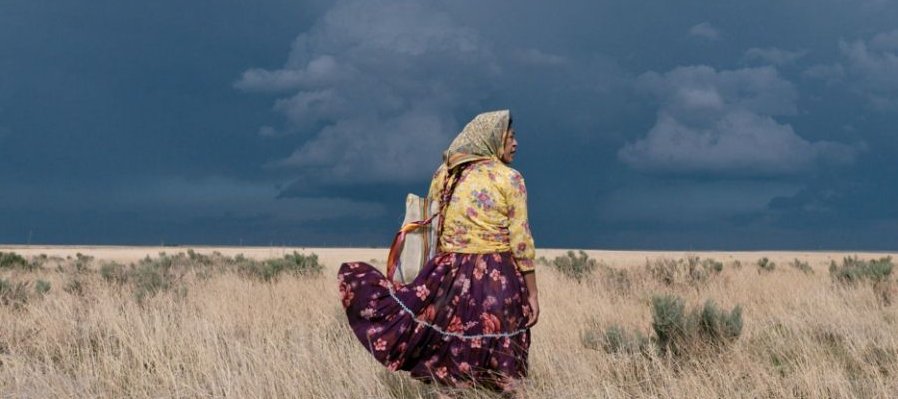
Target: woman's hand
(533, 301)
(532, 298)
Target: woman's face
(510, 147)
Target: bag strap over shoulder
(396, 247)
(452, 178)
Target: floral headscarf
(482, 138)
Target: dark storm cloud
(643, 124)
(690, 203)
(773, 55)
(873, 71)
(376, 84)
(723, 122)
(867, 67)
(705, 30)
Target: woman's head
(509, 145)
(484, 137)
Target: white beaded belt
(452, 334)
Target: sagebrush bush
(718, 324)
(296, 264)
(12, 260)
(877, 272)
(575, 266)
(38, 261)
(114, 272)
(854, 270)
(802, 266)
(691, 270)
(166, 273)
(202, 259)
(301, 264)
(678, 332)
(150, 278)
(766, 265)
(669, 320)
(41, 287)
(83, 262)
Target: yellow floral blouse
(487, 213)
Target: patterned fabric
(460, 322)
(482, 138)
(487, 213)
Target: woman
(465, 319)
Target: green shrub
(38, 262)
(296, 264)
(854, 270)
(82, 262)
(264, 271)
(804, 267)
(167, 273)
(766, 265)
(152, 276)
(41, 287)
(669, 320)
(575, 266)
(200, 258)
(876, 273)
(301, 264)
(708, 264)
(678, 331)
(12, 260)
(114, 272)
(719, 325)
(690, 271)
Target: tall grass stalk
(233, 335)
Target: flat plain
(213, 326)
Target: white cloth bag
(420, 244)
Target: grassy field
(219, 325)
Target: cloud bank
(705, 30)
(867, 68)
(722, 123)
(375, 84)
(773, 55)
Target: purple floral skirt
(461, 322)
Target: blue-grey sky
(642, 124)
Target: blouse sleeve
(521, 240)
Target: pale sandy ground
(335, 256)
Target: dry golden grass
(231, 336)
